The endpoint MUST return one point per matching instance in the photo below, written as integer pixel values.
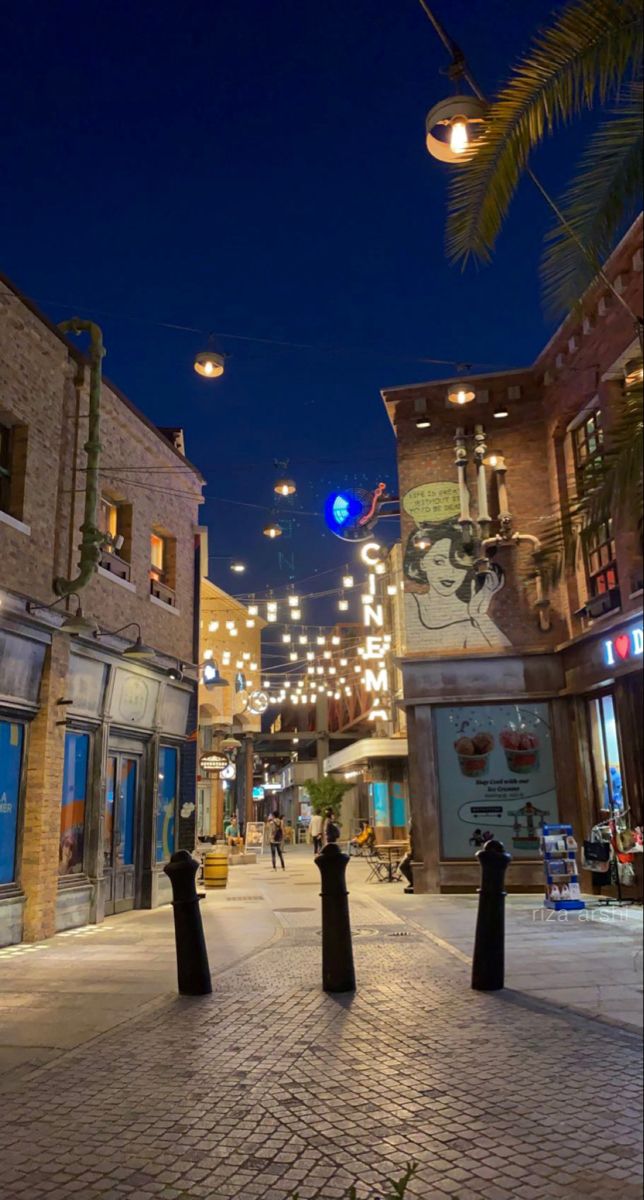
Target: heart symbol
(623, 645)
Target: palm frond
(604, 194)
(586, 56)
(617, 493)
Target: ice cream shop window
(496, 777)
(607, 765)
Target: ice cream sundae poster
(496, 777)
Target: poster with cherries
(496, 777)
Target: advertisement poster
(496, 777)
(255, 836)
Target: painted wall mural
(447, 605)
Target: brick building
(230, 642)
(94, 724)
(524, 701)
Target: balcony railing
(162, 592)
(117, 566)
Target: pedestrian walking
(276, 839)
(405, 864)
(316, 827)
(330, 830)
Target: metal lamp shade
(460, 394)
(441, 121)
(138, 651)
(209, 364)
(285, 487)
(272, 531)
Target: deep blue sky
(260, 169)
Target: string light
(294, 601)
(347, 581)
(296, 614)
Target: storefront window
(606, 756)
(167, 802)
(11, 739)
(72, 813)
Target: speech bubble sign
(433, 502)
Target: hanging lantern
(272, 530)
(453, 128)
(209, 364)
(461, 393)
(284, 487)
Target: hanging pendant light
(272, 530)
(284, 486)
(454, 127)
(461, 393)
(209, 364)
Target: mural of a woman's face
(443, 575)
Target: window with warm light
(13, 462)
(599, 552)
(162, 566)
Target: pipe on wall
(90, 547)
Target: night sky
(259, 170)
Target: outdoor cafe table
(393, 852)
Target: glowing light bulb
(343, 605)
(458, 137)
(208, 368)
(296, 614)
(253, 610)
(347, 581)
(461, 398)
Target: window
(166, 802)
(599, 553)
(162, 566)
(158, 557)
(11, 740)
(72, 813)
(5, 468)
(108, 518)
(607, 766)
(115, 521)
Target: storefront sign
(496, 777)
(625, 647)
(213, 762)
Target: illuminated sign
(624, 647)
(351, 512)
(213, 762)
(258, 793)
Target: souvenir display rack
(562, 885)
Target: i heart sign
(629, 644)
(623, 645)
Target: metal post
(338, 972)
(488, 965)
(193, 971)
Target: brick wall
(428, 457)
(43, 791)
(584, 360)
(43, 387)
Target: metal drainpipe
(92, 537)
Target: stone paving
(270, 1086)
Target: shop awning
(365, 751)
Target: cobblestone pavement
(269, 1085)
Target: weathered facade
(524, 702)
(94, 737)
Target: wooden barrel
(215, 868)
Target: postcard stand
(559, 847)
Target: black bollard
(338, 972)
(488, 965)
(193, 970)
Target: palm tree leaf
(584, 57)
(604, 194)
(617, 493)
